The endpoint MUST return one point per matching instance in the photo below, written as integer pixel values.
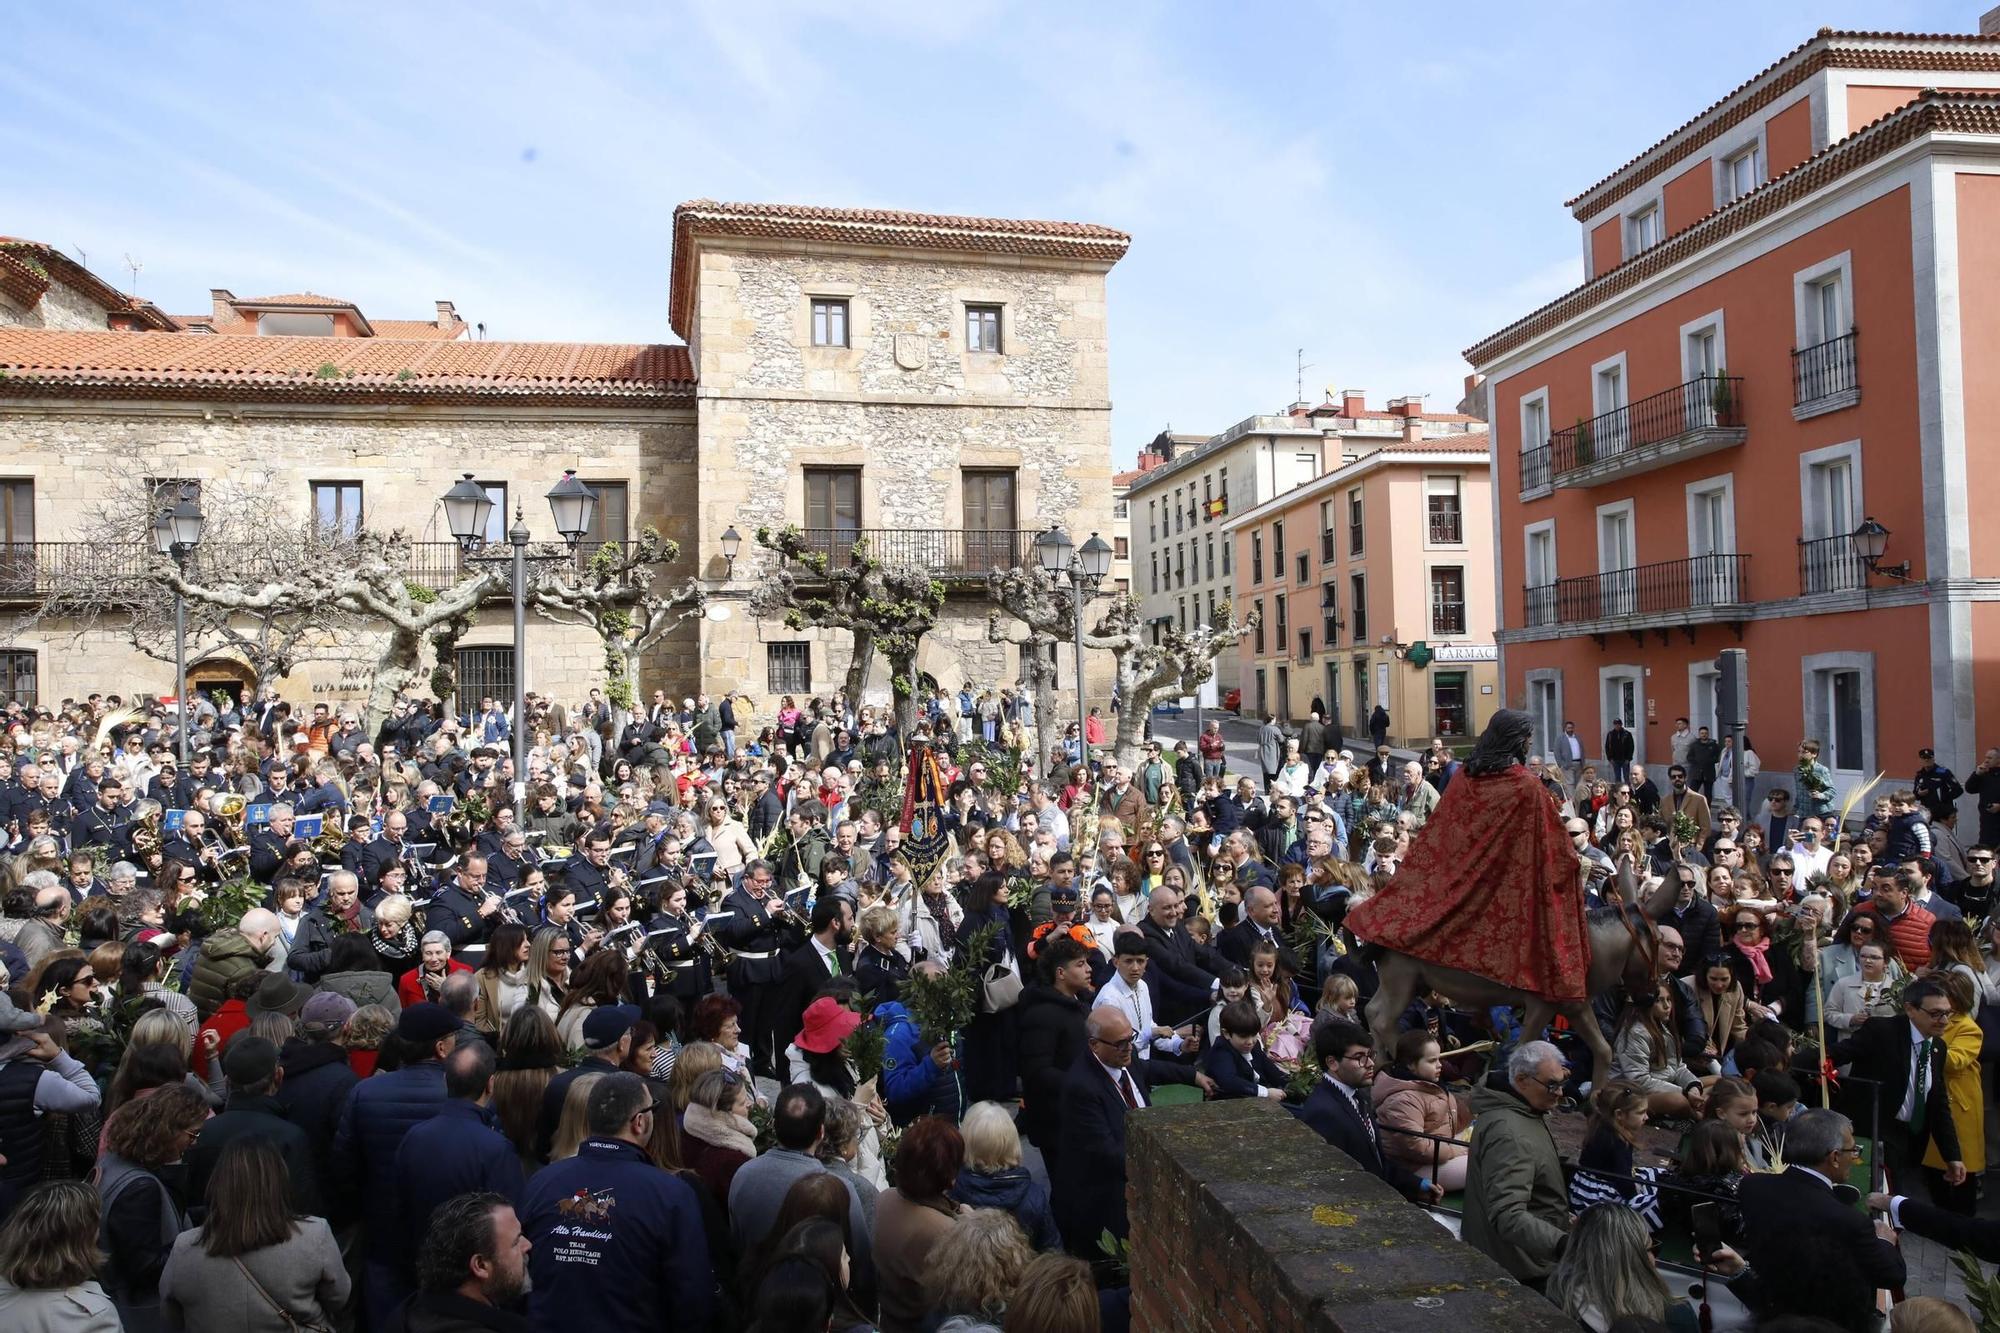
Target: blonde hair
(366, 1027)
(1928, 1314)
(572, 1129)
(695, 1059)
(395, 909)
(1335, 989)
(991, 1141)
(876, 920)
(976, 1266)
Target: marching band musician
(465, 910)
(759, 941)
(195, 846)
(268, 842)
(106, 824)
(505, 866)
(494, 836)
(560, 910)
(588, 873)
(390, 848)
(354, 852)
(674, 959)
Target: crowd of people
(323, 1028)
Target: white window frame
(1726, 483)
(1457, 480)
(1810, 515)
(1598, 407)
(1815, 675)
(1803, 334)
(1529, 533)
(1539, 398)
(1636, 673)
(1712, 320)
(1612, 600)
(1726, 160)
(1545, 738)
(1702, 677)
(1637, 223)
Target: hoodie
(1012, 1190)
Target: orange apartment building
(1791, 309)
(1372, 584)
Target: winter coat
(364, 988)
(225, 959)
(1425, 1108)
(317, 1081)
(1052, 1037)
(912, 1084)
(1012, 1190)
(303, 1273)
(1516, 1204)
(373, 1121)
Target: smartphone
(1706, 1219)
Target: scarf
(403, 947)
(1759, 965)
(721, 1130)
(940, 909)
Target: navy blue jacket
(618, 1245)
(1238, 1075)
(458, 1151)
(377, 1115)
(1331, 1115)
(1012, 1190)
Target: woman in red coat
(426, 979)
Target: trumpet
(719, 954)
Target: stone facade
(908, 405)
(61, 307)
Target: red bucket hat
(828, 1022)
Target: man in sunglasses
(1973, 895)
(1696, 921)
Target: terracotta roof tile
(874, 226)
(1470, 443)
(42, 261)
(1822, 51)
(1964, 113)
(298, 298)
(124, 365)
(419, 329)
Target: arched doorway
(223, 675)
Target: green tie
(833, 962)
(1923, 1078)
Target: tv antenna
(1299, 385)
(134, 265)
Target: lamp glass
(1870, 540)
(732, 542)
(1096, 555)
(1052, 551)
(573, 504)
(467, 509)
(187, 520)
(163, 535)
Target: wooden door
(990, 521)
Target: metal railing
(945, 551)
(1831, 564)
(1535, 468)
(1703, 403)
(1824, 369)
(1447, 527)
(1641, 590)
(1327, 548)
(1447, 617)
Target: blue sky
(1377, 184)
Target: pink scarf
(1759, 967)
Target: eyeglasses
(1359, 1058)
(1929, 1012)
(1123, 1045)
(1554, 1087)
(1860, 929)
(1979, 860)
(1742, 926)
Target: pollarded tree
(1041, 606)
(882, 607)
(1181, 661)
(615, 596)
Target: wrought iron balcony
(1825, 377)
(1447, 616)
(1686, 421)
(947, 553)
(1830, 564)
(1447, 527)
(1328, 549)
(1699, 589)
(1534, 470)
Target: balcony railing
(1447, 617)
(945, 552)
(1824, 370)
(1667, 588)
(1330, 631)
(1685, 421)
(1535, 469)
(1328, 546)
(1447, 527)
(1830, 564)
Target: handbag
(999, 986)
(292, 1321)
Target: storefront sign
(1465, 652)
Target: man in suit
(1270, 748)
(1978, 1236)
(1681, 799)
(1186, 975)
(1810, 1252)
(1100, 1087)
(1341, 1111)
(1569, 754)
(1906, 1060)
(827, 953)
(1261, 913)
(1778, 819)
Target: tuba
(229, 811)
(145, 825)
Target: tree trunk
(858, 664)
(903, 690)
(396, 666)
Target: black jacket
(1239, 1075)
(1184, 973)
(1236, 943)
(1331, 1114)
(1089, 1190)
(1618, 746)
(1701, 931)
(1881, 1051)
(255, 1118)
(317, 1080)
(1978, 1235)
(449, 1312)
(1812, 1253)
(1051, 1027)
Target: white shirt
(1137, 1006)
(1354, 1096)
(1909, 1106)
(1806, 864)
(1118, 1076)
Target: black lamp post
(176, 532)
(1085, 568)
(1871, 539)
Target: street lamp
(176, 532)
(1871, 539)
(467, 508)
(732, 542)
(1085, 569)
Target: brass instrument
(229, 814)
(145, 825)
(332, 837)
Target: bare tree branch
(614, 595)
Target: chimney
(447, 315)
(1989, 23)
(1413, 428)
(223, 303)
(1353, 402)
(1150, 459)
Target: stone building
(935, 384)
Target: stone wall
(1243, 1221)
(61, 307)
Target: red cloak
(1490, 886)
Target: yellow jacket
(1962, 1040)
